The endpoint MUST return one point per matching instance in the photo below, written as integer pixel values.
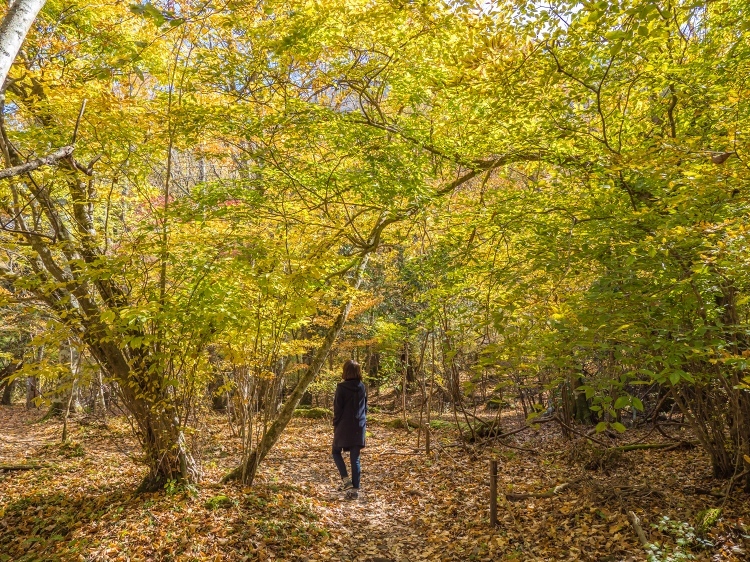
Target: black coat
(349, 414)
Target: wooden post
(493, 493)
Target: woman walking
(349, 420)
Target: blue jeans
(341, 465)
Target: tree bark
(146, 397)
(32, 392)
(7, 385)
(59, 154)
(13, 30)
(636, 523)
(219, 398)
(582, 411)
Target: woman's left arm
(336, 407)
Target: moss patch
(220, 502)
(313, 413)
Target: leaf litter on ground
(80, 504)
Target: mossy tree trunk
(581, 410)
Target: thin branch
(78, 122)
(5, 228)
(573, 430)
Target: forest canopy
(211, 204)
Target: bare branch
(78, 122)
(49, 160)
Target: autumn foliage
(528, 223)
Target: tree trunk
(7, 397)
(708, 412)
(32, 392)
(216, 386)
(7, 385)
(146, 397)
(405, 380)
(100, 398)
(61, 400)
(67, 411)
(219, 397)
(166, 451)
(580, 406)
(80, 300)
(372, 366)
(13, 30)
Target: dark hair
(352, 370)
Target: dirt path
(20, 436)
(380, 525)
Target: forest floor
(79, 504)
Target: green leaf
(589, 391)
(601, 426)
(618, 427)
(621, 402)
(637, 404)
(150, 11)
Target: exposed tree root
(19, 467)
